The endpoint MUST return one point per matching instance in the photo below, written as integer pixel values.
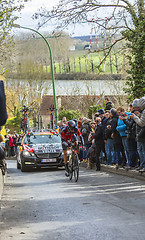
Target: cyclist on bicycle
(70, 133)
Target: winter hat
(113, 111)
(135, 103)
(142, 103)
(101, 111)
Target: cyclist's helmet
(76, 122)
(71, 124)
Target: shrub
(69, 114)
(92, 110)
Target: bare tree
(126, 17)
(8, 15)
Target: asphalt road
(45, 205)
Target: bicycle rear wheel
(76, 168)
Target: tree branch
(110, 48)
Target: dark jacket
(85, 131)
(131, 128)
(140, 134)
(115, 134)
(92, 152)
(104, 121)
(108, 130)
(98, 135)
(109, 105)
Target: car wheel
(23, 167)
(18, 165)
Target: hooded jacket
(131, 128)
(98, 135)
(141, 121)
(121, 127)
(115, 133)
(109, 105)
(85, 130)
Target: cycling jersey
(67, 135)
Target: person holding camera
(122, 128)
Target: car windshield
(39, 139)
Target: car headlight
(28, 154)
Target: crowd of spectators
(114, 136)
(11, 141)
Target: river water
(72, 87)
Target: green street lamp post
(52, 71)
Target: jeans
(132, 152)
(120, 157)
(86, 151)
(109, 148)
(125, 145)
(141, 153)
(81, 154)
(98, 151)
(103, 155)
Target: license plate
(48, 160)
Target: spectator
(140, 120)
(85, 130)
(64, 121)
(98, 136)
(109, 146)
(103, 122)
(120, 158)
(140, 132)
(96, 115)
(12, 145)
(109, 104)
(60, 126)
(7, 146)
(131, 138)
(93, 127)
(14, 136)
(91, 155)
(121, 128)
(79, 124)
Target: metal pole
(52, 71)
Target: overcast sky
(25, 18)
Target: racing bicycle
(73, 162)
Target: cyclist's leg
(76, 167)
(64, 146)
(65, 157)
(66, 162)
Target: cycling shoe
(66, 174)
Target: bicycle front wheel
(76, 168)
(70, 167)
